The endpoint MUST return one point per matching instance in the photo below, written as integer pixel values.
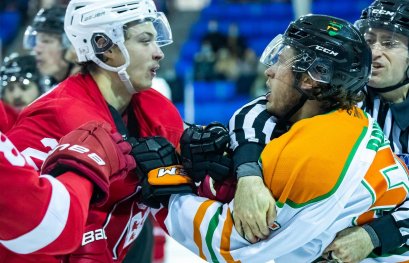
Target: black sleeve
(250, 129)
(392, 229)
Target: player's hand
(93, 152)
(220, 191)
(203, 152)
(254, 209)
(350, 245)
(159, 170)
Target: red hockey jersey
(38, 214)
(74, 102)
(12, 115)
(3, 118)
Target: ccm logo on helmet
(383, 12)
(80, 149)
(326, 50)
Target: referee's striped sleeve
(392, 229)
(400, 215)
(250, 128)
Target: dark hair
(336, 97)
(90, 66)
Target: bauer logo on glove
(80, 149)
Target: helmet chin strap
(124, 77)
(121, 70)
(391, 88)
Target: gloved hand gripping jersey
(159, 170)
(203, 151)
(93, 152)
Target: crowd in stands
(225, 58)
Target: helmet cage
(99, 19)
(302, 59)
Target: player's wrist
(249, 169)
(372, 235)
(388, 233)
(246, 153)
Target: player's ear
(307, 83)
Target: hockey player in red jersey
(20, 85)
(118, 42)
(4, 122)
(47, 214)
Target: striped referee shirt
(394, 118)
(252, 127)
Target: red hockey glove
(203, 152)
(92, 151)
(159, 170)
(220, 191)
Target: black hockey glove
(203, 151)
(159, 170)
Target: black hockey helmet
(20, 69)
(329, 49)
(50, 20)
(392, 15)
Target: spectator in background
(226, 66)
(226, 58)
(258, 87)
(205, 59)
(214, 37)
(19, 82)
(247, 66)
(45, 35)
(229, 56)
(235, 43)
(204, 62)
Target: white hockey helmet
(86, 21)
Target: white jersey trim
(51, 226)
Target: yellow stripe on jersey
(290, 165)
(201, 211)
(225, 240)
